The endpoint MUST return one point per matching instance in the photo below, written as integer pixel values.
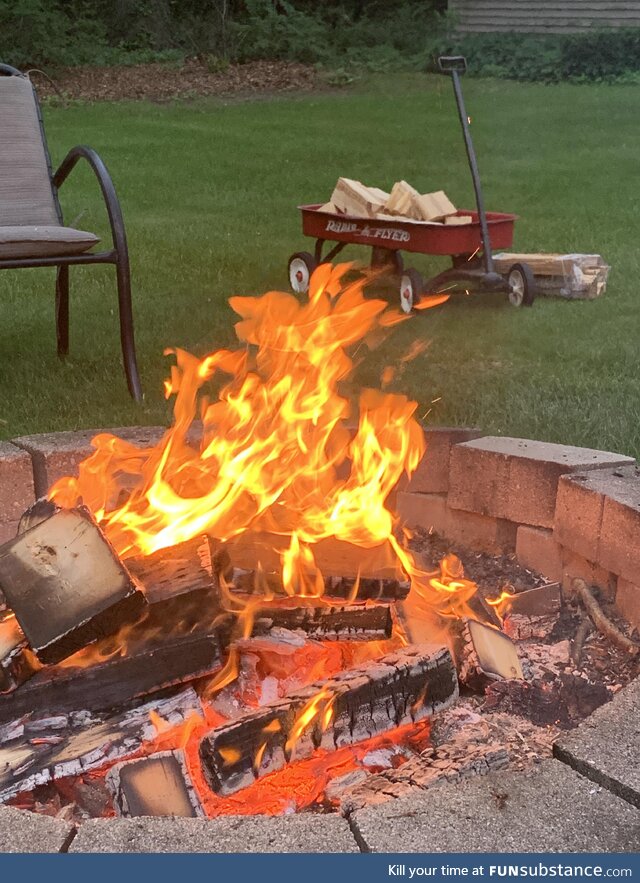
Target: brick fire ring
(565, 512)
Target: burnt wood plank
(66, 585)
(354, 622)
(333, 557)
(178, 570)
(60, 751)
(17, 662)
(402, 687)
(152, 662)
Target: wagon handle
(448, 63)
(454, 65)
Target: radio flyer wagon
(470, 245)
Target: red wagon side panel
(407, 235)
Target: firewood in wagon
(66, 585)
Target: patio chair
(32, 231)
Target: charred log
(66, 585)
(146, 661)
(253, 551)
(59, 750)
(483, 653)
(178, 570)
(39, 511)
(356, 622)
(17, 662)
(399, 688)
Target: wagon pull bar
(448, 63)
(454, 65)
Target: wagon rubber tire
(300, 267)
(411, 288)
(522, 285)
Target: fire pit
(260, 613)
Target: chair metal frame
(117, 255)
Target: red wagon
(469, 245)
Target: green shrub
(39, 32)
(591, 56)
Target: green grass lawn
(209, 192)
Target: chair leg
(126, 328)
(62, 310)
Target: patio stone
(22, 831)
(516, 478)
(16, 481)
(57, 454)
(548, 809)
(606, 746)
(307, 832)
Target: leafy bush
(39, 32)
(591, 56)
(373, 34)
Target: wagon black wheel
(522, 285)
(411, 288)
(301, 266)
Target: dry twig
(601, 621)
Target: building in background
(543, 16)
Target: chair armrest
(112, 203)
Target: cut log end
(66, 585)
(158, 785)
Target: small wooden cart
(469, 245)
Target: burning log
(355, 622)
(152, 662)
(249, 582)
(57, 751)
(337, 558)
(66, 585)
(178, 570)
(399, 688)
(158, 785)
(17, 662)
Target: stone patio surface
(22, 831)
(293, 833)
(548, 809)
(606, 747)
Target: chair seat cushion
(43, 242)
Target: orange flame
(275, 453)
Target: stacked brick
(564, 511)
